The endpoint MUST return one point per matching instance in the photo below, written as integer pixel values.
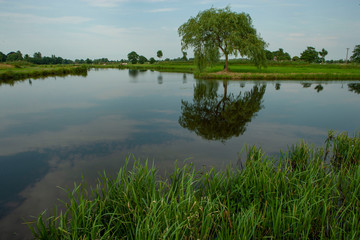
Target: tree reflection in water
(354, 87)
(216, 116)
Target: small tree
(356, 54)
(269, 55)
(159, 54)
(152, 60)
(280, 55)
(295, 59)
(184, 56)
(14, 56)
(222, 30)
(322, 54)
(142, 59)
(310, 55)
(133, 57)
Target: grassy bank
(20, 71)
(246, 71)
(308, 193)
(239, 70)
(285, 72)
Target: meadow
(239, 70)
(9, 73)
(307, 193)
(244, 70)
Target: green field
(10, 73)
(239, 70)
(307, 193)
(274, 71)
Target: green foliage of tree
(222, 30)
(322, 54)
(184, 56)
(2, 57)
(310, 55)
(215, 116)
(14, 56)
(280, 55)
(100, 61)
(295, 59)
(356, 54)
(152, 60)
(142, 59)
(133, 57)
(354, 87)
(159, 54)
(269, 55)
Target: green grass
(239, 70)
(274, 71)
(307, 193)
(10, 73)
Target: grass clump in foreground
(298, 196)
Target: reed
(297, 196)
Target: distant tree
(133, 57)
(184, 56)
(88, 61)
(26, 57)
(37, 58)
(142, 59)
(269, 55)
(14, 56)
(2, 57)
(37, 55)
(48, 60)
(152, 60)
(280, 55)
(322, 54)
(356, 54)
(310, 55)
(295, 58)
(215, 30)
(159, 54)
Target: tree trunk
(226, 67)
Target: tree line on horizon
(38, 58)
(309, 55)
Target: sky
(80, 29)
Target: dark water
(52, 131)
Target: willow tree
(215, 30)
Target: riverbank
(274, 71)
(9, 73)
(307, 193)
(239, 70)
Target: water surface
(54, 130)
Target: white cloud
(162, 10)
(29, 18)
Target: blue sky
(113, 28)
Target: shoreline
(11, 73)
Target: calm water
(52, 131)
